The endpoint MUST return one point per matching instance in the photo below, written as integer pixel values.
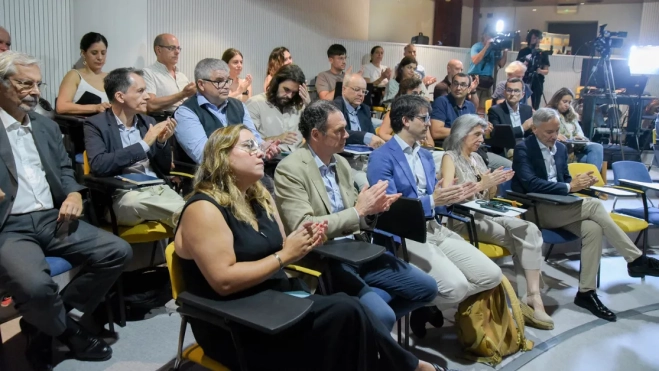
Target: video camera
(607, 40)
(500, 42)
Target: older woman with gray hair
(523, 239)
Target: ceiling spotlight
(535, 10)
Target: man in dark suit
(39, 217)
(122, 140)
(358, 117)
(510, 112)
(540, 165)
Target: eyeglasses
(513, 91)
(463, 85)
(28, 85)
(358, 90)
(250, 146)
(425, 118)
(171, 48)
(219, 84)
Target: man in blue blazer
(122, 140)
(540, 165)
(459, 269)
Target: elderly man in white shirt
(167, 86)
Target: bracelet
(281, 263)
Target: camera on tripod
(607, 40)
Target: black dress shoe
(423, 315)
(589, 300)
(643, 266)
(38, 348)
(83, 345)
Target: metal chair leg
(638, 237)
(122, 303)
(551, 247)
(599, 269)
(407, 331)
(108, 308)
(400, 337)
(181, 338)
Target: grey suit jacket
(107, 155)
(54, 158)
(301, 195)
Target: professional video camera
(500, 42)
(607, 40)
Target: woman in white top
(375, 72)
(279, 57)
(406, 70)
(240, 88)
(81, 91)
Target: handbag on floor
(487, 330)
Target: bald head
(5, 40)
(453, 68)
(410, 51)
(167, 49)
(354, 88)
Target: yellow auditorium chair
(269, 312)
(488, 105)
(627, 223)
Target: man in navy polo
(448, 108)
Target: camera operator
(483, 59)
(537, 63)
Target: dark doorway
(580, 33)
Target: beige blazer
(300, 195)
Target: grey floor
(579, 342)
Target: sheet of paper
(613, 191)
(512, 211)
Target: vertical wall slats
(43, 29)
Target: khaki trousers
(157, 203)
(460, 269)
(591, 221)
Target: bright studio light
(499, 26)
(643, 60)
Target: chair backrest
(630, 170)
(488, 105)
(86, 169)
(405, 219)
(174, 270)
(576, 168)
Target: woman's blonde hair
(215, 178)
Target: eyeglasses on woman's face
(250, 146)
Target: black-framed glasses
(171, 48)
(27, 85)
(425, 118)
(220, 84)
(463, 85)
(358, 90)
(513, 91)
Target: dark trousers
(337, 334)
(538, 88)
(25, 241)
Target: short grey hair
(515, 66)
(349, 76)
(206, 66)
(543, 115)
(460, 129)
(10, 59)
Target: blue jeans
(592, 154)
(388, 286)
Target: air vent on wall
(567, 9)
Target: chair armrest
(350, 251)
(543, 198)
(307, 271)
(269, 311)
(107, 184)
(181, 174)
(639, 191)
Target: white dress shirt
(414, 161)
(33, 192)
(550, 163)
(515, 118)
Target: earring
(84, 61)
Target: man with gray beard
(39, 216)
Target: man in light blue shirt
(210, 109)
(482, 64)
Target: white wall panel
(43, 29)
(398, 21)
(650, 24)
(206, 28)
